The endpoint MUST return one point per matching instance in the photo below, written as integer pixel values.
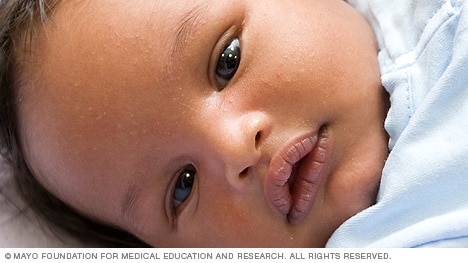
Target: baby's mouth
(295, 173)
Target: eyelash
(227, 63)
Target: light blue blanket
(423, 198)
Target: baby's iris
(184, 184)
(228, 63)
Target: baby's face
(134, 118)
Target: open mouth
(295, 174)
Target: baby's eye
(228, 63)
(183, 186)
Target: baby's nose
(240, 147)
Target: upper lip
(295, 172)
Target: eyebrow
(186, 26)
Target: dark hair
(18, 20)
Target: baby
(201, 123)
(194, 123)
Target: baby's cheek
(232, 213)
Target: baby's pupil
(229, 61)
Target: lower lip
(311, 171)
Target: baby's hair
(18, 21)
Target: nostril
(244, 173)
(257, 138)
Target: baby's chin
(354, 184)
